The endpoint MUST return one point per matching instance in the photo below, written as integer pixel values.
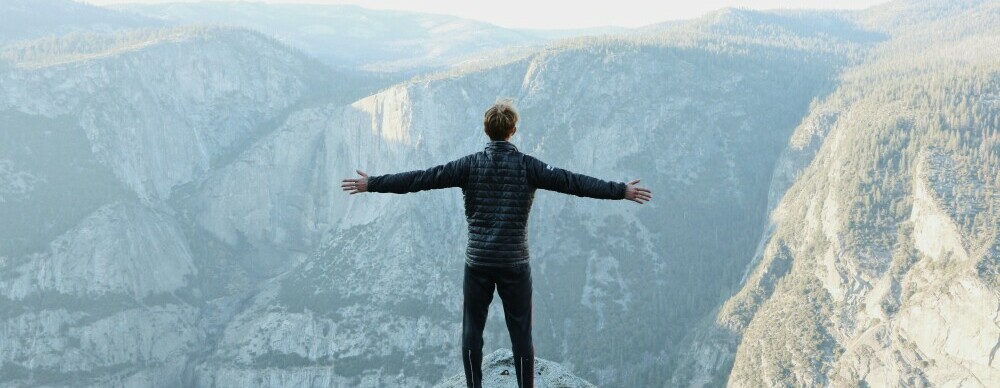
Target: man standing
(499, 185)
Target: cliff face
(101, 283)
(104, 304)
(161, 107)
(880, 265)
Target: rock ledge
(498, 372)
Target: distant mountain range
(28, 19)
(356, 37)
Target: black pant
(514, 286)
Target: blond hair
(500, 120)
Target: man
(498, 184)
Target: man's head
(500, 121)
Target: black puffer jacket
(499, 185)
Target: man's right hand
(355, 186)
(637, 194)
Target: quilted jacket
(499, 185)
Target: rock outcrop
(498, 372)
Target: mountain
(498, 371)
(354, 37)
(30, 19)
(158, 108)
(170, 125)
(103, 284)
(880, 264)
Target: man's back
(499, 185)
(498, 195)
(498, 199)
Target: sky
(567, 14)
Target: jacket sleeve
(451, 174)
(546, 177)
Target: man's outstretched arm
(547, 177)
(451, 174)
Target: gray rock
(498, 371)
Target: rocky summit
(498, 372)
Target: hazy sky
(567, 14)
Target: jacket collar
(500, 146)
